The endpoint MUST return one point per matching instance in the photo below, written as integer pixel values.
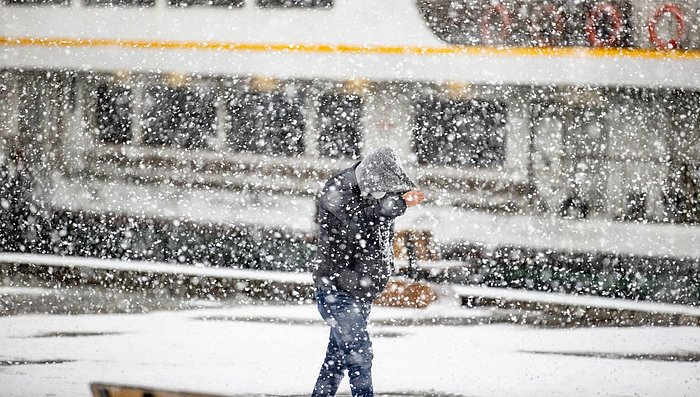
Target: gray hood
(381, 171)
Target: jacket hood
(381, 171)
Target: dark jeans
(349, 346)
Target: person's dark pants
(349, 346)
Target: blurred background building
(557, 141)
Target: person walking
(354, 260)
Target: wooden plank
(108, 390)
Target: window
(214, 3)
(132, 3)
(183, 117)
(460, 21)
(462, 133)
(266, 123)
(295, 3)
(570, 159)
(112, 113)
(339, 121)
(605, 24)
(530, 23)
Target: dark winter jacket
(355, 252)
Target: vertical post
(218, 141)
(77, 135)
(137, 89)
(10, 106)
(311, 125)
(532, 188)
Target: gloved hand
(413, 197)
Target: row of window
(594, 23)
(270, 123)
(514, 22)
(462, 133)
(185, 3)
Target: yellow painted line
(356, 49)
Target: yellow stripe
(356, 49)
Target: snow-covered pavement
(278, 349)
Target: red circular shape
(592, 23)
(502, 13)
(559, 21)
(675, 11)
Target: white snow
(176, 350)
(201, 205)
(154, 267)
(33, 291)
(454, 224)
(574, 300)
(448, 224)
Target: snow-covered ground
(278, 349)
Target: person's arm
(393, 205)
(390, 206)
(345, 206)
